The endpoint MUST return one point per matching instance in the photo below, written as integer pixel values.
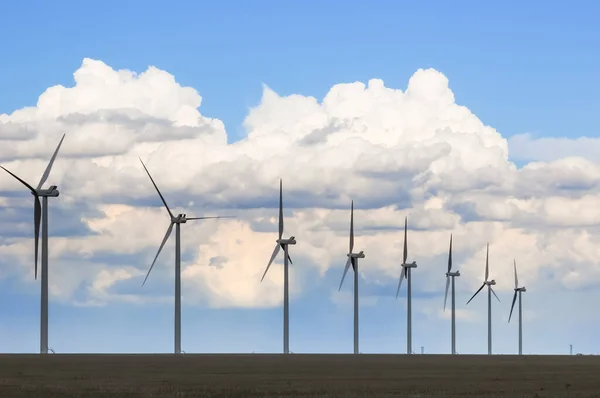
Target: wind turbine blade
(37, 216)
(159, 249)
(405, 242)
(49, 167)
(450, 255)
(446, 295)
(402, 273)
(207, 218)
(512, 306)
(478, 290)
(516, 279)
(345, 272)
(157, 190)
(271, 261)
(487, 264)
(351, 228)
(289, 258)
(32, 189)
(37, 221)
(495, 294)
(280, 208)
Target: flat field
(298, 375)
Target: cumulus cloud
(396, 153)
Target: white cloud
(396, 153)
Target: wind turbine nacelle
(52, 191)
(492, 282)
(361, 254)
(455, 273)
(523, 289)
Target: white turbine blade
(37, 221)
(157, 190)
(351, 227)
(495, 294)
(405, 241)
(446, 295)
(348, 263)
(516, 279)
(280, 209)
(450, 255)
(487, 264)
(37, 216)
(473, 296)
(401, 279)
(271, 261)
(512, 306)
(49, 167)
(159, 250)
(207, 218)
(289, 258)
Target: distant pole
(356, 305)
(453, 319)
(178, 288)
(489, 320)
(570, 349)
(409, 315)
(422, 350)
(520, 326)
(44, 285)
(286, 302)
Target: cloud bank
(396, 153)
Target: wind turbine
(353, 260)
(518, 290)
(452, 275)
(40, 217)
(177, 221)
(405, 273)
(283, 244)
(489, 284)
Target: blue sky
(520, 68)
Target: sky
(471, 118)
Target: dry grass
(247, 376)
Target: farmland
(298, 375)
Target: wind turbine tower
(353, 260)
(406, 273)
(449, 275)
(40, 217)
(518, 290)
(177, 221)
(283, 244)
(489, 284)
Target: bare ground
(298, 375)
